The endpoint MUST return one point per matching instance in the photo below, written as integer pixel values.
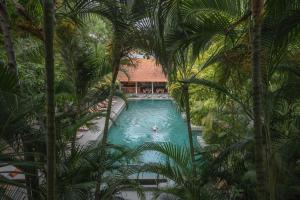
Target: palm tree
(49, 65)
(123, 20)
(185, 175)
(30, 172)
(13, 126)
(257, 9)
(84, 68)
(193, 26)
(77, 173)
(5, 27)
(210, 22)
(78, 166)
(188, 118)
(190, 33)
(175, 63)
(116, 13)
(182, 71)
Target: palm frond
(219, 88)
(8, 81)
(174, 152)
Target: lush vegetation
(232, 66)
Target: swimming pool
(134, 126)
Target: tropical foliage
(232, 66)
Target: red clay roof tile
(144, 70)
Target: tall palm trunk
(257, 7)
(49, 65)
(116, 58)
(105, 131)
(5, 27)
(188, 119)
(110, 98)
(31, 177)
(77, 117)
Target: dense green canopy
(233, 68)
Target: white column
(136, 87)
(120, 86)
(152, 87)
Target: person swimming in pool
(155, 128)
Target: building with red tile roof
(142, 76)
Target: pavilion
(143, 76)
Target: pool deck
(149, 96)
(95, 134)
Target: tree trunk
(188, 119)
(116, 58)
(77, 118)
(31, 177)
(261, 190)
(108, 113)
(49, 65)
(105, 131)
(97, 191)
(5, 27)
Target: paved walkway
(149, 96)
(95, 133)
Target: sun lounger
(83, 128)
(15, 172)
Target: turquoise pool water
(134, 126)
